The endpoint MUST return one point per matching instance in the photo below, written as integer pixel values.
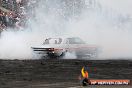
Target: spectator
(2, 27)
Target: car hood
(48, 46)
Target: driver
(46, 41)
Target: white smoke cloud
(122, 6)
(13, 45)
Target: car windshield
(53, 41)
(76, 41)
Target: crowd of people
(7, 20)
(13, 19)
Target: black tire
(63, 54)
(55, 56)
(86, 82)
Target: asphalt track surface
(58, 73)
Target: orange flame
(84, 73)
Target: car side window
(67, 41)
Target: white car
(58, 47)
